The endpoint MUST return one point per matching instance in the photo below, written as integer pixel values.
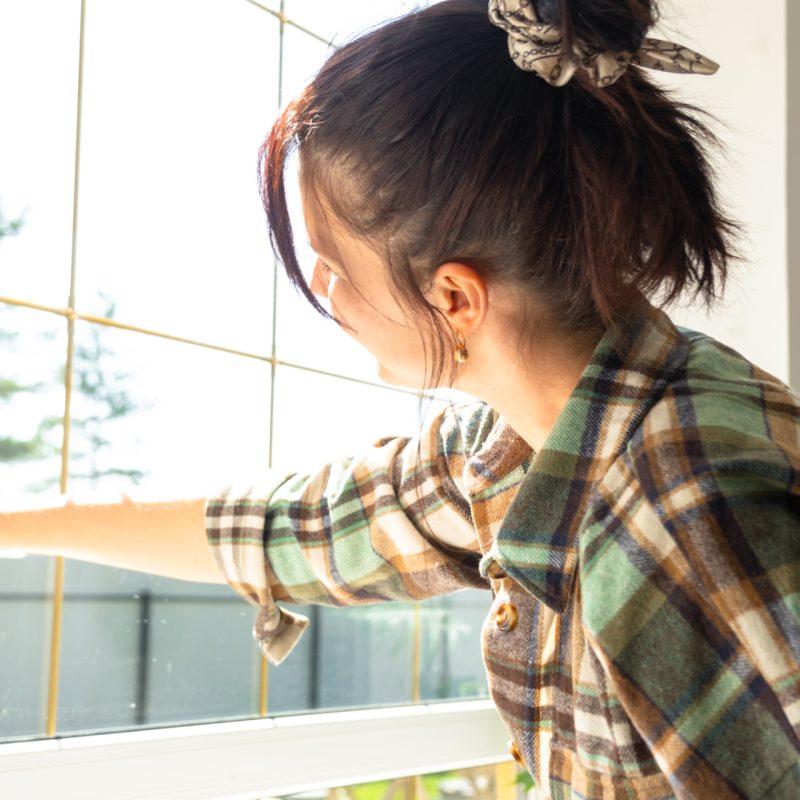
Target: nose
(319, 282)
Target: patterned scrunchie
(538, 47)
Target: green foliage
(9, 387)
(12, 448)
(22, 449)
(99, 397)
(10, 227)
(396, 790)
(103, 400)
(525, 780)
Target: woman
(493, 200)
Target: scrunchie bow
(538, 47)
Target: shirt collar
(537, 544)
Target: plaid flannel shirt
(643, 639)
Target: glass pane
(138, 649)
(39, 57)
(303, 55)
(452, 665)
(32, 351)
(174, 418)
(361, 656)
(338, 22)
(321, 418)
(142, 650)
(365, 656)
(26, 586)
(171, 224)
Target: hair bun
(609, 24)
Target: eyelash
(327, 270)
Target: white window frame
(256, 759)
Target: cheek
(353, 312)
(359, 317)
(340, 299)
(376, 321)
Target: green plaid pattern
(651, 551)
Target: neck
(530, 392)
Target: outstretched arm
(163, 538)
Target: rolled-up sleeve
(393, 524)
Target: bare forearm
(163, 538)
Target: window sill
(256, 758)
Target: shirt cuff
(235, 521)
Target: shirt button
(505, 618)
(515, 754)
(496, 572)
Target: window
(147, 339)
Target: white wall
(749, 97)
(793, 188)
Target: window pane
(177, 98)
(39, 59)
(452, 665)
(359, 656)
(142, 650)
(340, 21)
(323, 418)
(176, 418)
(303, 55)
(365, 656)
(137, 649)
(32, 351)
(25, 626)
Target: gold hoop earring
(460, 352)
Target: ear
(460, 293)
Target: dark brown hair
(426, 140)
